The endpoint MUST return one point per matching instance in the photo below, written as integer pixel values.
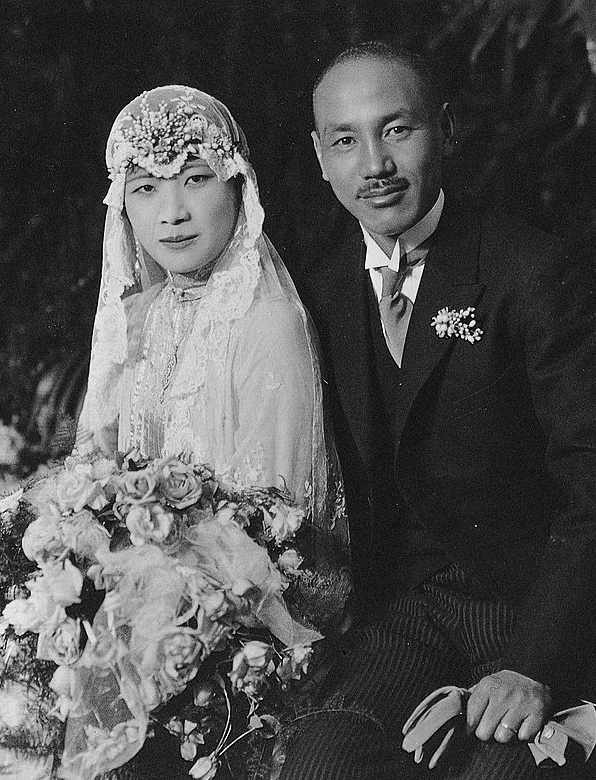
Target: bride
(201, 347)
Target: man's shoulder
(327, 257)
(505, 244)
(513, 234)
(328, 262)
(508, 230)
(503, 241)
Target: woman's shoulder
(274, 316)
(274, 336)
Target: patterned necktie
(395, 308)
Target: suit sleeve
(555, 636)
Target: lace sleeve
(276, 395)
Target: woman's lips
(178, 242)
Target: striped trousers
(436, 635)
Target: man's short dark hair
(387, 51)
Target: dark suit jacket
(491, 460)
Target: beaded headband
(161, 139)
(160, 135)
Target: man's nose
(173, 205)
(376, 160)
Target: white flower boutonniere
(461, 324)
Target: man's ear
(317, 144)
(448, 129)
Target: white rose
(254, 656)
(84, 535)
(62, 645)
(75, 489)
(42, 540)
(177, 483)
(136, 487)
(294, 663)
(49, 611)
(284, 521)
(64, 582)
(181, 651)
(289, 562)
(22, 615)
(34, 613)
(215, 604)
(148, 523)
(257, 654)
(205, 768)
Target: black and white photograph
(298, 389)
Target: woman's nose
(173, 205)
(376, 160)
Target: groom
(461, 353)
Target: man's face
(379, 143)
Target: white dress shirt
(413, 237)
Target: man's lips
(383, 196)
(380, 192)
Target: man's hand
(505, 705)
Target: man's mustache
(382, 185)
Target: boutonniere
(461, 324)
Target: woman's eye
(198, 178)
(145, 188)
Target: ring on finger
(509, 728)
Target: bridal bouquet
(142, 583)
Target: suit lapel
(450, 279)
(352, 352)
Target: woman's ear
(139, 253)
(239, 184)
(448, 129)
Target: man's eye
(345, 141)
(398, 130)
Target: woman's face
(184, 222)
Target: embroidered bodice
(157, 334)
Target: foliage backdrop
(517, 71)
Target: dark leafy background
(517, 71)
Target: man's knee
(341, 745)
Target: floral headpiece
(161, 140)
(162, 128)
